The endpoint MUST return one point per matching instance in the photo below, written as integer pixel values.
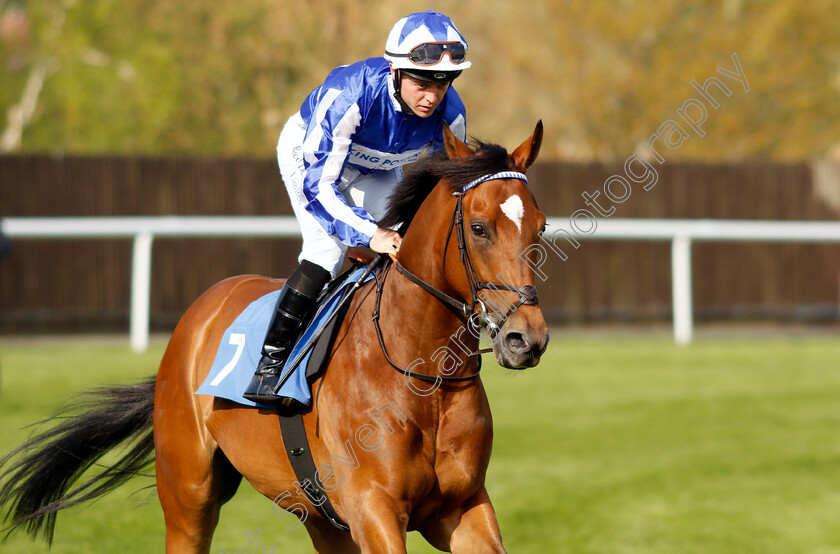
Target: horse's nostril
(516, 342)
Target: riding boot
(293, 309)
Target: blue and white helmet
(428, 45)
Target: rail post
(681, 289)
(141, 285)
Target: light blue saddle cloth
(241, 346)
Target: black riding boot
(294, 307)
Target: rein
(380, 282)
(527, 294)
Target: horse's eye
(478, 230)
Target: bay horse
(466, 218)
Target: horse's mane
(421, 177)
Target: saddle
(239, 348)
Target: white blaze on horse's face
(514, 209)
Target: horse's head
(478, 216)
(501, 220)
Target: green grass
(609, 446)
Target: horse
(406, 357)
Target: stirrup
(263, 385)
(260, 388)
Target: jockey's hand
(385, 241)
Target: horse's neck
(436, 329)
(429, 240)
(430, 324)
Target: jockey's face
(422, 97)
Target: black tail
(41, 471)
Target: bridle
(475, 307)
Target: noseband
(527, 294)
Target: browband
(501, 175)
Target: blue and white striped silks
(353, 119)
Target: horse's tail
(42, 470)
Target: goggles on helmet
(430, 53)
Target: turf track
(611, 445)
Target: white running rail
(143, 230)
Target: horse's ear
(455, 147)
(527, 152)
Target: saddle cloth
(241, 345)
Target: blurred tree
(221, 78)
(28, 62)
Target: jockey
(341, 156)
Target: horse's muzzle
(520, 348)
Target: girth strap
(297, 448)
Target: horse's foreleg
(473, 528)
(375, 525)
(328, 540)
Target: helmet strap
(397, 82)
